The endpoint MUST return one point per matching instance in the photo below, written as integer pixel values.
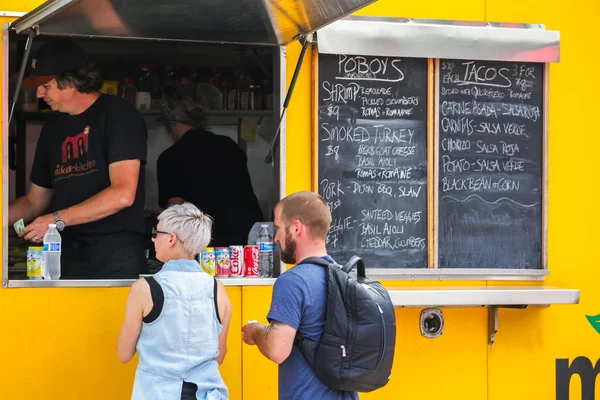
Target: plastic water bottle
(264, 240)
(52, 250)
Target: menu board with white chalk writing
(490, 164)
(372, 158)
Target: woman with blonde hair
(178, 319)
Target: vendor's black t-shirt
(73, 155)
(210, 172)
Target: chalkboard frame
(544, 204)
(545, 169)
(433, 271)
(430, 155)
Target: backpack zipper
(383, 336)
(343, 350)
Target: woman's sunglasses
(156, 232)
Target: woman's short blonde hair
(192, 227)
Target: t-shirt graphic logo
(76, 146)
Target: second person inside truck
(205, 169)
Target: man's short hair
(85, 80)
(310, 209)
(192, 226)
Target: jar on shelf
(243, 96)
(144, 83)
(267, 94)
(128, 91)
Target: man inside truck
(88, 171)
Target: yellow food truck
(454, 142)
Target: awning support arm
(305, 40)
(493, 320)
(492, 324)
(30, 35)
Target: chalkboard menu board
(372, 158)
(490, 164)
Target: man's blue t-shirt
(300, 301)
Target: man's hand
(275, 342)
(30, 206)
(249, 331)
(35, 231)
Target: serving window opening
(238, 86)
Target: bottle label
(231, 99)
(143, 101)
(244, 100)
(53, 247)
(265, 246)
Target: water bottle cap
(51, 226)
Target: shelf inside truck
(44, 115)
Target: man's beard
(288, 255)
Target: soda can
(223, 261)
(251, 261)
(207, 261)
(237, 261)
(35, 262)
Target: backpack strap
(357, 262)
(354, 262)
(308, 348)
(315, 260)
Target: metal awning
(257, 22)
(421, 38)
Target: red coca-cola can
(251, 261)
(237, 261)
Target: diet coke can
(237, 261)
(251, 261)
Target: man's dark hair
(85, 80)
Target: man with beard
(299, 298)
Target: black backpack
(356, 350)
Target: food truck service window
(234, 67)
(207, 70)
(432, 146)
